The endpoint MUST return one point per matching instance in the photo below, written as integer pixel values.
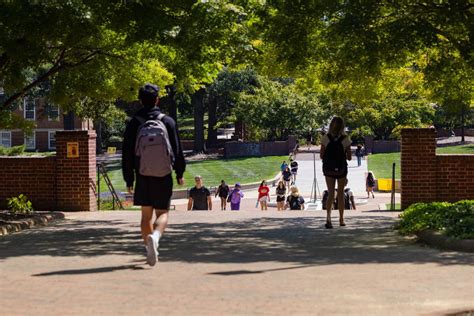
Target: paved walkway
(229, 263)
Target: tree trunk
(197, 101)
(173, 111)
(212, 121)
(462, 124)
(239, 130)
(98, 131)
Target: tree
(353, 42)
(274, 111)
(223, 94)
(105, 50)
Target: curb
(438, 240)
(39, 219)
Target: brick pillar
(76, 176)
(418, 166)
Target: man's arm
(353, 202)
(190, 203)
(128, 154)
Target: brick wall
(76, 176)
(54, 183)
(33, 176)
(427, 177)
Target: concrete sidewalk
(230, 263)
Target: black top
(130, 162)
(286, 175)
(199, 197)
(223, 190)
(294, 166)
(295, 202)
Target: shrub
(115, 139)
(20, 205)
(12, 151)
(455, 220)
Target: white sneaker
(152, 250)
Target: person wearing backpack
(335, 151)
(295, 201)
(234, 197)
(151, 150)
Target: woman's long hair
(261, 184)
(337, 126)
(281, 185)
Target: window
(53, 112)
(52, 139)
(6, 139)
(30, 142)
(29, 109)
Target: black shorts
(153, 191)
(280, 198)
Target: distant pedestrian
(293, 170)
(309, 139)
(235, 197)
(199, 197)
(286, 174)
(280, 195)
(370, 184)
(263, 195)
(359, 154)
(143, 161)
(283, 166)
(295, 201)
(335, 150)
(223, 192)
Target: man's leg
(146, 222)
(161, 221)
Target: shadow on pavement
(297, 240)
(92, 270)
(300, 240)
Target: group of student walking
(152, 150)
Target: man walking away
(199, 197)
(151, 150)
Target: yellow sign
(72, 150)
(111, 150)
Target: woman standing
(263, 195)
(335, 151)
(280, 193)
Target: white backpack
(153, 147)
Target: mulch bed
(10, 223)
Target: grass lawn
(381, 164)
(243, 170)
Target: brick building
(48, 119)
